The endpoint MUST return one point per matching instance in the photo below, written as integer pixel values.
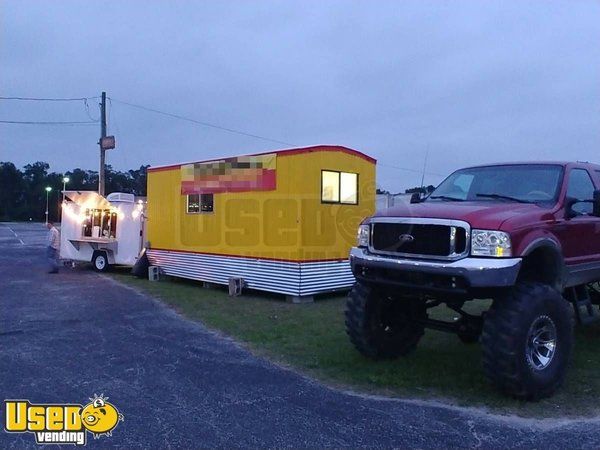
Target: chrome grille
(420, 238)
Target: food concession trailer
(282, 221)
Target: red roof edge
(281, 152)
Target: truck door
(581, 234)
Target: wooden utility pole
(102, 150)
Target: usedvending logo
(64, 423)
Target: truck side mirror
(416, 197)
(569, 211)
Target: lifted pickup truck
(526, 235)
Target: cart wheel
(100, 262)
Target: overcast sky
(471, 81)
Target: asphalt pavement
(67, 336)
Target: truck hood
(484, 214)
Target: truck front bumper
(459, 276)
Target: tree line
(23, 191)
(423, 190)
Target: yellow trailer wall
(288, 223)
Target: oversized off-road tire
(382, 326)
(100, 262)
(469, 331)
(527, 341)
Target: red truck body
(526, 235)
(527, 221)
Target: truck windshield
(523, 183)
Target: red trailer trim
(249, 256)
(282, 152)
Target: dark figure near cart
(52, 247)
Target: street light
(65, 181)
(48, 189)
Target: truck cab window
(528, 183)
(461, 186)
(581, 187)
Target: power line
(87, 111)
(198, 122)
(53, 99)
(409, 170)
(40, 99)
(19, 122)
(164, 113)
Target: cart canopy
(89, 199)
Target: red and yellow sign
(240, 174)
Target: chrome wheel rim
(100, 262)
(541, 343)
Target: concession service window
(99, 223)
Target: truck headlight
(362, 237)
(490, 243)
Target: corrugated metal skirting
(283, 277)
